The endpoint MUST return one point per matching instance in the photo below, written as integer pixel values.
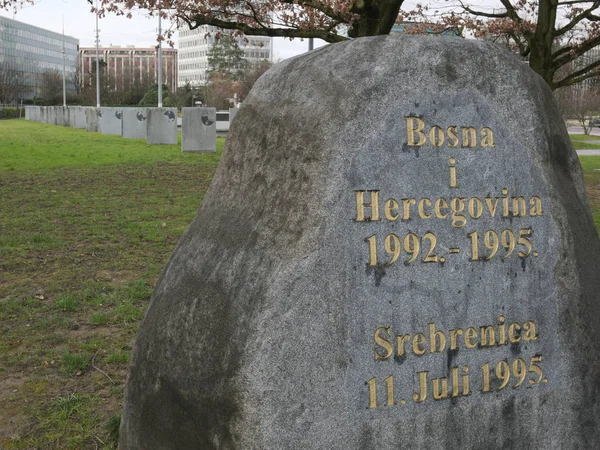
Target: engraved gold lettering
(436, 136)
(453, 335)
(422, 203)
(457, 205)
(485, 372)
(530, 331)
(475, 208)
(440, 394)
(389, 384)
(488, 336)
(437, 339)
(471, 338)
(419, 344)
(466, 387)
(455, 382)
(381, 337)
(469, 137)
(453, 173)
(505, 208)
(414, 130)
(389, 208)
(519, 206)
(535, 206)
(421, 396)
(452, 137)
(406, 204)
(372, 393)
(487, 137)
(361, 205)
(514, 333)
(502, 330)
(440, 204)
(492, 206)
(401, 341)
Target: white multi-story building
(194, 49)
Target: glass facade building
(32, 50)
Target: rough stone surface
(199, 130)
(135, 123)
(92, 119)
(162, 126)
(111, 120)
(261, 332)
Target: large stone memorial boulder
(396, 252)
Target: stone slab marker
(395, 252)
(92, 119)
(78, 117)
(199, 130)
(232, 113)
(111, 121)
(134, 123)
(162, 126)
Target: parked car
(595, 123)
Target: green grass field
(87, 221)
(579, 141)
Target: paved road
(588, 152)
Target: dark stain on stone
(378, 272)
(515, 347)
(400, 359)
(451, 355)
(523, 263)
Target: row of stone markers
(156, 125)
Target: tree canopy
(555, 36)
(226, 59)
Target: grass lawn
(584, 137)
(579, 143)
(87, 221)
(591, 174)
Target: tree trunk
(376, 17)
(541, 44)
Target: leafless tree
(13, 84)
(51, 86)
(581, 105)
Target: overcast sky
(140, 31)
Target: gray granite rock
(199, 130)
(135, 123)
(396, 251)
(162, 126)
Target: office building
(32, 50)
(195, 46)
(130, 64)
